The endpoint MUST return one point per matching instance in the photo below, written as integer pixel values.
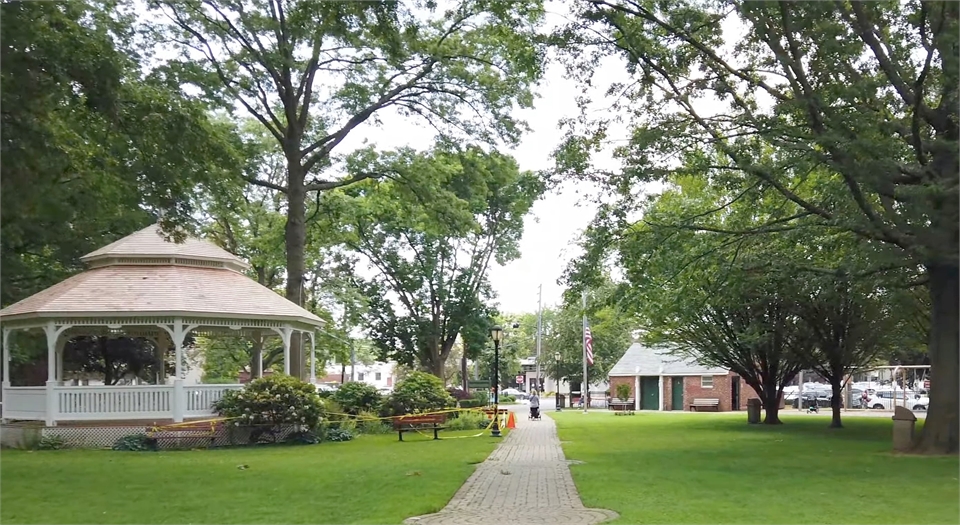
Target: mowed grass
(373, 479)
(714, 468)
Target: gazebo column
(7, 332)
(179, 399)
(6, 366)
(52, 331)
(178, 332)
(61, 344)
(285, 333)
(313, 357)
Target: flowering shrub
(420, 392)
(355, 397)
(271, 402)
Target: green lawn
(373, 479)
(714, 468)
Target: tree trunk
(436, 368)
(771, 407)
(256, 359)
(295, 236)
(770, 396)
(836, 383)
(940, 430)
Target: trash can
(753, 411)
(904, 422)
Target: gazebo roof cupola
(149, 247)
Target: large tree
(94, 143)
(863, 94)
(429, 238)
(312, 71)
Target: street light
(497, 335)
(557, 356)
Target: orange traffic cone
(511, 421)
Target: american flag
(588, 343)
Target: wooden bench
(622, 408)
(415, 423)
(205, 430)
(699, 403)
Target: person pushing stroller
(534, 406)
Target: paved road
(525, 480)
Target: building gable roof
(650, 360)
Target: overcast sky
(551, 230)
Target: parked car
(886, 399)
(514, 393)
(816, 399)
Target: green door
(676, 390)
(649, 393)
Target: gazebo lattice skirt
(91, 436)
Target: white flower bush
(272, 402)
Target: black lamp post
(557, 357)
(497, 335)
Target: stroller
(534, 414)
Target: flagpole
(539, 332)
(584, 385)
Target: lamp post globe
(496, 333)
(557, 357)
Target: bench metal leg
(400, 433)
(435, 430)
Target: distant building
(668, 382)
(380, 374)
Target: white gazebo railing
(25, 402)
(103, 403)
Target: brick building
(667, 382)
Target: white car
(887, 399)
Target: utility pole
(539, 333)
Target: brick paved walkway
(525, 480)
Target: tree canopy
(429, 236)
(848, 111)
(95, 143)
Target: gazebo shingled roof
(149, 242)
(144, 274)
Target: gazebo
(144, 285)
